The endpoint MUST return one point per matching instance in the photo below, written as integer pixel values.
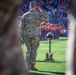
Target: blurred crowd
(56, 29)
(57, 10)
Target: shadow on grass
(59, 73)
(40, 73)
(51, 61)
(62, 39)
(37, 74)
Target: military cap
(33, 4)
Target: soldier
(31, 32)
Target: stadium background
(58, 12)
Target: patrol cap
(33, 4)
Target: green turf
(56, 67)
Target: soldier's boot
(47, 56)
(51, 56)
(33, 67)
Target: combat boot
(33, 67)
(51, 56)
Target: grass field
(56, 67)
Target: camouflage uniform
(31, 31)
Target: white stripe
(70, 46)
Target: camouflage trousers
(32, 45)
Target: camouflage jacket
(31, 21)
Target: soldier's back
(32, 18)
(31, 24)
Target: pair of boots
(49, 57)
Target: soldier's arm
(43, 15)
(22, 24)
(21, 30)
